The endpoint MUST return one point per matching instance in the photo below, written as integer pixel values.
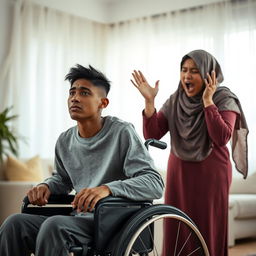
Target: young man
(100, 156)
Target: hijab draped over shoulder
(189, 136)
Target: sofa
(13, 191)
(242, 208)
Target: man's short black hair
(91, 74)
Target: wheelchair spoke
(152, 239)
(191, 253)
(184, 243)
(198, 248)
(155, 252)
(177, 238)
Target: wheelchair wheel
(144, 234)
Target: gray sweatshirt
(115, 157)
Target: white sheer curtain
(155, 45)
(45, 44)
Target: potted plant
(8, 138)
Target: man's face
(85, 100)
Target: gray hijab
(189, 136)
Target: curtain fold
(46, 43)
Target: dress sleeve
(156, 126)
(220, 124)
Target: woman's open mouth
(189, 86)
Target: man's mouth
(75, 108)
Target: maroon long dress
(201, 189)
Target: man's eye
(71, 93)
(84, 93)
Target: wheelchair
(123, 227)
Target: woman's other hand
(149, 93)
(140, 82)
(210, 88)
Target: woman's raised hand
(210, 88)
(140, 82)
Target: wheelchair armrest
(155, 143)
(57, 205)
(111, 200)
(111, 214)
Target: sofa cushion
(244, 205)
(16, 170)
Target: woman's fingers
(209, 79)
(134, 83)
(157, 84)
(143, 79)
(214, 77)
(210, 86)
(138, 76)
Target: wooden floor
(245, 247)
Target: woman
(201, 117)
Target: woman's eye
(195, 71)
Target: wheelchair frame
(136, 219)
(111, 213)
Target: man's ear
(104, 102)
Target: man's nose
(75, 98)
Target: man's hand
(87, 198)
(39, 195)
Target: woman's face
(190, 78)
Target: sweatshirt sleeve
(156, 126)
(143, 181)
(60, 182)
(220, 124)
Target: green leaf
(8, 138)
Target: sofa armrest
(243, 186)
(11, 196)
